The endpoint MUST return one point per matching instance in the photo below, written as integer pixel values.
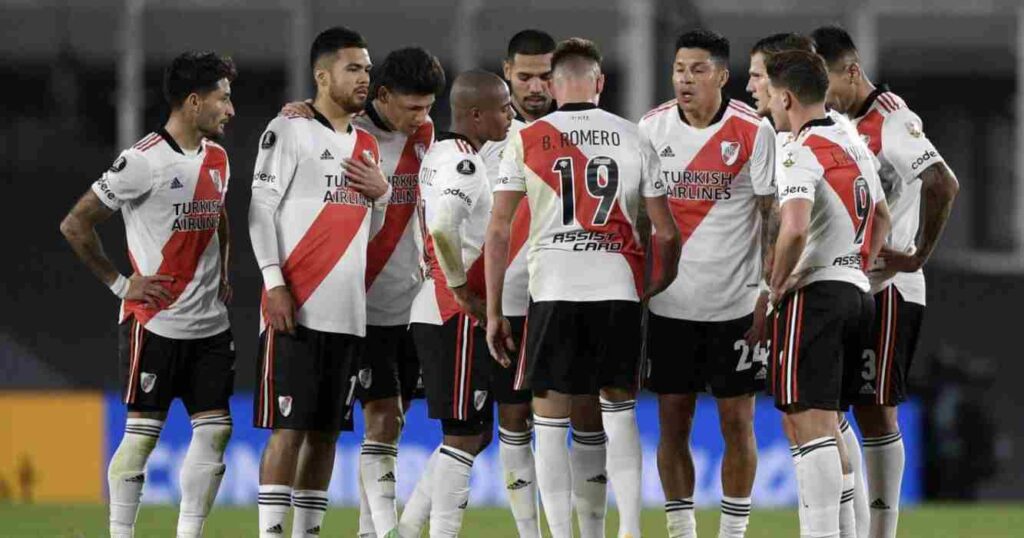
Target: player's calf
(450, 496)
(517, 463)
(739, 466)
(127, 473)
(202, 471)
(377, 463)
(624, 462)
(884, 461)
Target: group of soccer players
(713, 246)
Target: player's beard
(210, 128)
(536, 107)
(351, 102)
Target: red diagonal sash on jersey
(184, 249)
(446, 304)
(870, 126)
(520, 231)
(541, 160)
(689, 214)
(841, 173)
(326, 240)
(383, 245)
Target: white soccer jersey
(895, 134)
(584, 172)
(457, 203)
(171, 203)
(515, 299)
(713, 176)
(309, 229)
(393, 272)
(825, 165)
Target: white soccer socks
(201, 472)
(847, 517)
(735, 517)
(679, 518)
(554, 473)
(520, 479)
(450, 493)
(884, 458)
(377, 476)
(590, 481)
(819, 476)
(127, 473)
(274, 503)
(417, 510)
(366, 529)
(624, 462)
(310, 506)
(860, 493)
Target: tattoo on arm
(768, 207)
(939, 188)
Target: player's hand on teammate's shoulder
(499, 339)
(149, 290)
(755, 334)
(365, 176)
(899, 262)
(302, 109)
(281, 309)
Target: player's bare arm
(365, 176)
(768, 208)
(499, 332)
(794, 223)
(939, 188)
(79, 228)
(224, 238)
(880, 229)
(667, 243)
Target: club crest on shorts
(365, 378)
(479, 398)
(284, 403)
(421, 150)
(147, 381)
(730, 152)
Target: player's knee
(617, 394)
(514, 417)
(130, 457)
(485, 440)
(383, 425)
(210, 436)
(876, 420)
(463, 435)
(288, 441)
(736, 423)
(321, 439)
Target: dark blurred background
(81, 80)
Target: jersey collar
(371, 112)
(864, 108)
(448, 135)
(718, 115)
(519, 116)
(170, 140)
(820, 122)
(324, 121)
(573, 107)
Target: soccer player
(717, 161)
(174, 335)
(446, 313)
(833, 221)
(854, 509)
(315, 189)
(585, 173)
(921, 189)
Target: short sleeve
(762, 160)
(512, 170)
(277, 157)
(905, 145)
(129, 178)
(800, 174)
(652, 185)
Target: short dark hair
(833, 43)
(332, 40)
(195, 72)
(575, 47)
(410, 71)
(777, 43)
(716, 44)
(530, 42)
(801, 72)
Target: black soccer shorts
(881, 376)
(306, 381)
(155, 370)
(389, 365)
(507, 383)
(685, 357)
(457, 369)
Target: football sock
(590, 481)
(847, 517)
(366, 529)
(735, 517)
(450, 494)
(624, 462)
(679, 518)
(884, 459)
(520, 479)
(377, 475)
(554, 473)
(310, 507)
(274, 503)
(201, 472)
(127, 473)
(416, 511)
(860, 492)
(819, 475)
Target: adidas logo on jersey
(518, 484)
(389, 477)
(867, 389)
(326, 155)
(276, 529)
(175, 184)
(667, 152)
(598, 479)
(879, 504)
